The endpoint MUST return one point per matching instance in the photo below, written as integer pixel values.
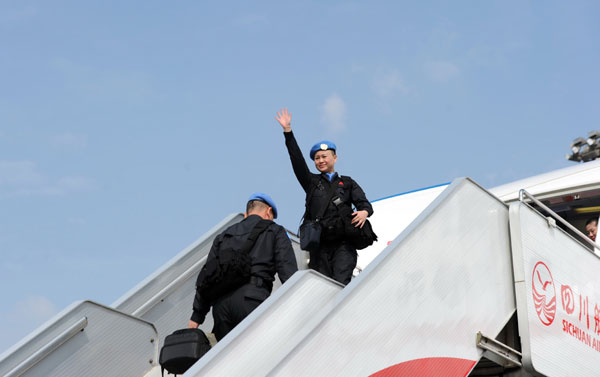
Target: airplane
(463, 281)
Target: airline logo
(544, 293)
(579, 322)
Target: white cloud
(70, 140)
(334, 113)
(23, 317)
(388, 84)
(441, 71)
(35, 308)
(23, 178)
(19, 173)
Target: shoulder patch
(345, 180)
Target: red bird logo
(544, 283)
(544, 293)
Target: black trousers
(335, 260)
(232, 308)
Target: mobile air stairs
(471, 287)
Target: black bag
(310, 231)
(182, 349)
(230, 269)
(360, 238)
(310, 235)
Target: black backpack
(182, 349)
(230, 269)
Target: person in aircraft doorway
(591, 228)
(336, 257)
(270, 251)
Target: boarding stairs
(472, 286)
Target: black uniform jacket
(346, 189)
(271, 253)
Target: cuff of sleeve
(198, 318)
(288, 134)
(369, 211)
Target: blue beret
(260, 196)
(321, 146)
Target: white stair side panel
(108, 343)
(446, 277)
(272, 330)
(560, 333)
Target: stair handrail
(35, 358)
(523, 193)
(158, 297)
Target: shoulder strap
(345, 209)
(309, 197)
(314, 184)
(260, 227)
(331, 192)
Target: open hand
(285, 119)
(359, 218)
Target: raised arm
(298, 163)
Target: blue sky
(128, 129)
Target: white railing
(523, 193)
(158, 297)
(85, 339)
(48, 348)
